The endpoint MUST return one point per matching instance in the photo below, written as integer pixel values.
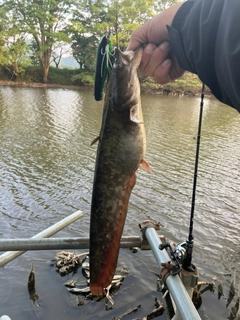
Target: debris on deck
(67, 262)
(31, 286)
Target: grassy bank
(55, 76)
(188, 84)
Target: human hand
(157, 59)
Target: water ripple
(47, 165)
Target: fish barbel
(121, 150)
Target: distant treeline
(189, 84)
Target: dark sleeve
(205, 37)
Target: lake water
(46, 173)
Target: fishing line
(189, 243)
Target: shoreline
(146, 90)
(9, 83)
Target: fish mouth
(127, 57)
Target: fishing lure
(103, 66)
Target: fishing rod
(181, 255)
(187, 263)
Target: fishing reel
(177, 253)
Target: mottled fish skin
(120, 152)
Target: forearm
(205, 39)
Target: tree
(127, 15)
(3, 27)
(13, 47)
(84, 51)
(90, 17)
(15, 57)
(94, 18)
(45, 21)
(161, 5)
(88, 25)
(59, 50)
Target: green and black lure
(103, 66)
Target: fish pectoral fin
(134, 117)
(95, 140)
(135, 120)
(145, 166)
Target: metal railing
(184, 310)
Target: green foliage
(84, 51)
(45, 20)
(126, 15)
(161, 5)
(56, 76)
(62, 76)
(5, 74)
(13, 48)
(90, 17)
(135, 12)
(88, 25)
(189, 83)
(32, 74)
(83, 79)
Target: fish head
(125, 86)
(125, 60)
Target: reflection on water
(46, 173)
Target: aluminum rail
(59, 243)
(11, 255)
(175, 286)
